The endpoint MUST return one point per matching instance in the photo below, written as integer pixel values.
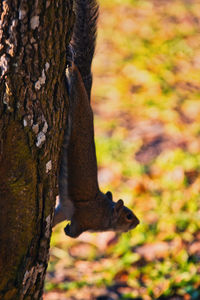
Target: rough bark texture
(33, 107)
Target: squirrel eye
(129, 217)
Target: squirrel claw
(67, 230)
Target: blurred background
(146, 100)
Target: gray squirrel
(80, 199)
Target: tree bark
(33, 109)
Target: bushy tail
(84, 38)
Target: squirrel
(80, 199)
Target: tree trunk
(33, 108)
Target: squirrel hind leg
(70, 65)
(70, 55)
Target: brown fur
(81, 200)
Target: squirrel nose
(137, 221)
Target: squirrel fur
(80, 199)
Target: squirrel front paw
(72, 230)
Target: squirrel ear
(119, 206)
(109, 195)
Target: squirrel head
(123, 219)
